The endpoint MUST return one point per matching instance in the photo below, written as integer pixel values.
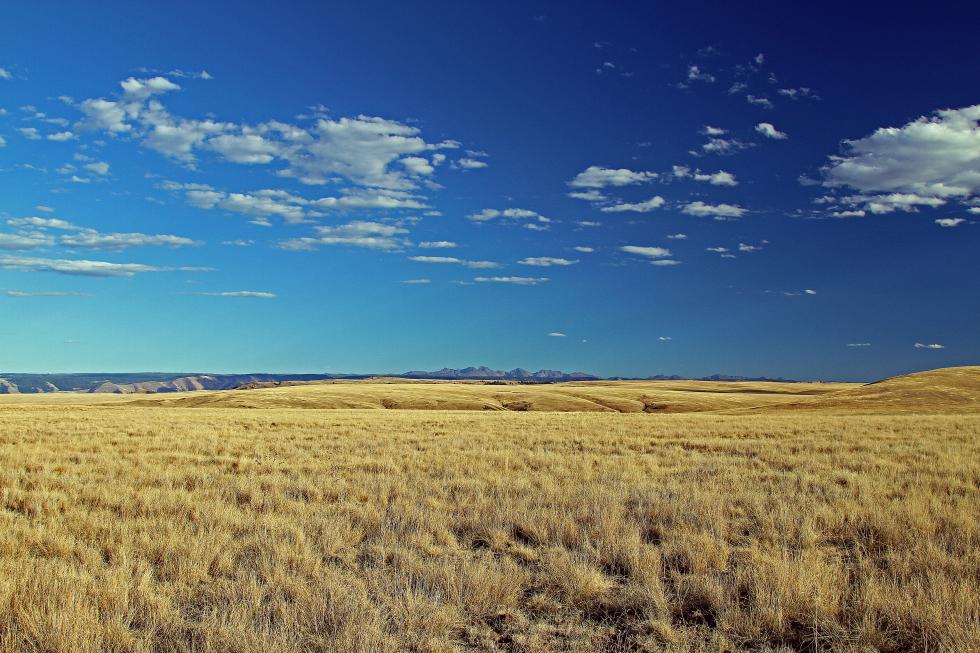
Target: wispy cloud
(520, 281)
(244, 294)
(546, 261)
(82, 267)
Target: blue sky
(371, 186)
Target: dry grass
(581, 396)
(129, 528)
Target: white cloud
(452, 260)
(745, 247)
(664, 338)
(950, 222)
(599, 177)
(30, 133)
(141, 89)
(859, 344)
(520, 281)
(417, 282)
(708, 130)
(760, 101)
(359, 233)
(651, 204)
(293, 208)
(20, 294)
(5, 74)
(769, 130)
(546, 261)
(664, 262)
(245, 148)
(720, 178)
(695, 74)
(583, 249)
(365, 150)
(24, 242)
(649, 252)
(79, 267)
(33, 236)
(798, 293)
(97, 167)
(588, 223)
(926, 162)
(361, 149)
(890, 202)
(467, 163)
(417, 165)
(43, 208)
(589, 196)
(557, 334)
(43, 223)
(3, 142)
(260, 204)
(247, 294)
(238, 243)
(437, 244)
(91, 239)
(724, 146)
(717, 250)
(920, 345)
(677, 236)
(176, 137)
(798, 93)
(61, 137)
(513, 214)
(701, 209)
(354, 198)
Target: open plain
(606, 516)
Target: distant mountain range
(516, 374)
(153, 382)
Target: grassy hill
(946, 390)
(949, 390)
(583, 396)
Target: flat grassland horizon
(610, 516)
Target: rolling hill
(945, 390)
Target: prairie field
(185, 523)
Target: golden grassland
(580, 396)
(153, 527)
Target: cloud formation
(701, 209)
(359, 233)
(520, 281)
(598, 177)
(366, 151)
(81, 267)
(925, 163)
(720, 178)
(651, 204)
(246, 294)
(769, 130)
(452, 260)
(546, 261)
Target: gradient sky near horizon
(616, 188)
